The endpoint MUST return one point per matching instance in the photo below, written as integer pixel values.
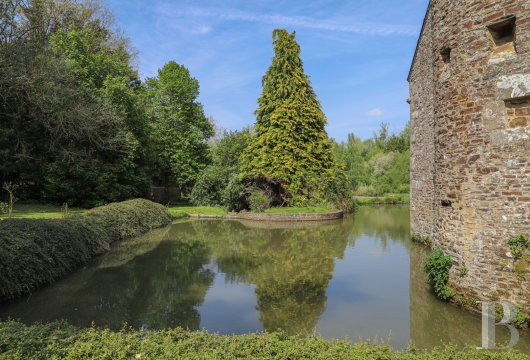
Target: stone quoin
(470, 141)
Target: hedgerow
(35, 252)
(62, 341)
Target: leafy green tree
(291, 148)
(218, 184)
(180, 128)
(71, 102)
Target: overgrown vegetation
(377, 166)
(59, 340)
(34, 252)
(437, 266)
(78, 124)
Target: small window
(446, 55)
(503, 31)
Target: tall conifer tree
(291, 147)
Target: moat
(357, 278)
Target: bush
(62, 341)
(235, 195)
(259, 201)
(209, 187)
(437, 267)
(35, 252)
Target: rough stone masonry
(470, 145)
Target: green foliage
(4, 208)
(60, 340)
(377, 166)
(437, 267)
(219, 183)
(519, 244)
(73, 102)
(35, 252)
(180, 128)
(522, 319)
(208, 189)
(235, 195)
(290, 148)
(259, 201)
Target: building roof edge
(419, 39)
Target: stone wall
(470, 122)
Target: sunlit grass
(41, 211)
(389, 199)
(300, 210)
(182, 211)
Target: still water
(356, 278)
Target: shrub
(131, 218)
(34, 252)
(259, 201)
(518, 245)
(235, 195)
(62, 341)
(437, 267)
(209, 187)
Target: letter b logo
(488, 324)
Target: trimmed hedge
(61, 341)
(35, 252)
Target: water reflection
(359, 277)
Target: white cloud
(376, 112)
(298, 21)
(201, 30)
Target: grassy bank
(61, 341)
(299, 210)
(41, 211)
(35, 252)
(390, 199)
(184, 211)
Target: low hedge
(62, 341)
(35, 252)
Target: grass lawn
(183, 211)
(299, 210)
(41, 211)
(388, 199)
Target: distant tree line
(379, 165)
(77, 123)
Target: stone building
(470, 145)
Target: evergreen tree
(291, 148)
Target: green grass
(40, 211)
(61, 341)
(389, 199)
(299, 210)
(183, 211)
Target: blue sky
(357, 53)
